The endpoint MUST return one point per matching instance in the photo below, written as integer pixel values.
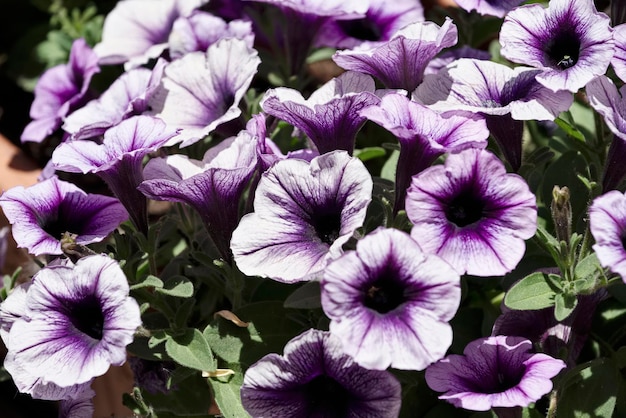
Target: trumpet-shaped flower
(330, 117)
(303, 213)
(472, 213)
(489, 7)
(389, 303)
(607, 217)
(78, 320)
(495, 371)
(400, 62)
(60, 91)
(316, 378)
(40, 214)
(570, 41)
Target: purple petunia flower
(400, 62)
(79, 407)
(502, 95)
(381, 21)
(137, 30)
(40, 214)
(212, 186)
(61, 90)
(493, 372)
(424, 135)
(496, 8)
(127, 96)
(472, 213)
(570, 41)
(607, 218)
(389, 303)
(315, 378)
(202, 90)
(619, 58)
(118, 160)
(610, 103)
(303, 214)
(450, 55)
(330, 117)
(78, 321)
(200, 30)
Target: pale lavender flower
(118, 160)
(611, 104)
(502, 95)
(200, 91)
(401, 61)
(41, 213)
(79, 407)
(200, 30)
(213, 186)
(450, 55)
(127, 96)
(78, 321)
(493, 372)
(607, 219)
(496, 8)
(316, 378)
(472, 213)
(619, 58)
(330, 117)
(389, 303)
(303, 214)
(570, 41)
(424, 135)
(137, 30)
(381, 21)
(61, 90)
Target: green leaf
(177, 286)
(188, 397)
(388, 172)
(570, 130)
(369, 153)
(226, 391)
(564, 304)
(320, 55)
(306, 296)
(535, 291)
(589, 390)
(149, 281)
(587, 271)
(191, 350)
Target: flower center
(363, 29)
(384, 295)
(563, 50)
(326, 397)
(327, 226)
(465, 209)
(87, 317)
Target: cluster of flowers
(389, 293)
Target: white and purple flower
(496, 8)
(607, 218)
(472, 213)
(41, 213)
(316, 378)
(303, 213)
(494, 372)
(389, 303)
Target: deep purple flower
(40, 214)
(472, 213)
(389, 303)
(61, 90)
(619, 58)
(570, 41)
(78, 321)
(315, 378)
(303, 214)
(382, 19)
(127, 96)
(137, 30)
(502, 95)
(489, 7)
(401, 61)
(611, 104)
(213, 186)
(202, 90)
(199, 30)
(495, 371)
(607, 217)
(118, 160)
(424, 135)
(330, 117)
